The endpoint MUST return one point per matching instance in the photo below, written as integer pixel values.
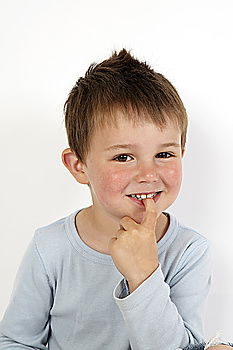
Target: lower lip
(140, 203)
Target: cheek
(173, 176)
(110, 183)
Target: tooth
(143, 196)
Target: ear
(182, 152)
(75, 166)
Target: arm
(25, 324)
(220, 347)
(202, 347)
(158, 315)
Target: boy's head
(122, 100)
(119, 83)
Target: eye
(120, 158)
(164, 155)
(123, 157)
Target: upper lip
(143, 193)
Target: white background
(45, 46)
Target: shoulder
(52, 235)
(52, 232)
(185, 248)
(196, 243)
(189, 237)
(195, 249)
(52, 242)
(181, 238)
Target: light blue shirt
(69, 296)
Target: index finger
(150, 216)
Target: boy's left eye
(159, 155)
(164, 155)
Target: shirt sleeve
(25, 324)
(203, 346)
(158, 315)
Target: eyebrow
(127, 146)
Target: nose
(147, 172)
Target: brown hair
(120, 82)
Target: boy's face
(146, 166)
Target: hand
(134, 249)
(220, 347)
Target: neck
(96, 231)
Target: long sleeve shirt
(69, 296)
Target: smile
(137, 199)
(144, 196)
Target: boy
(123, 273)
(220, 346)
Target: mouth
(139, 201)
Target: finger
(150, 216)
(119, 233)
(127, 223)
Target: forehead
(128, 132)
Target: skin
(114, 224)
(220, 347)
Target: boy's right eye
(121, 156)
(164, 155)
